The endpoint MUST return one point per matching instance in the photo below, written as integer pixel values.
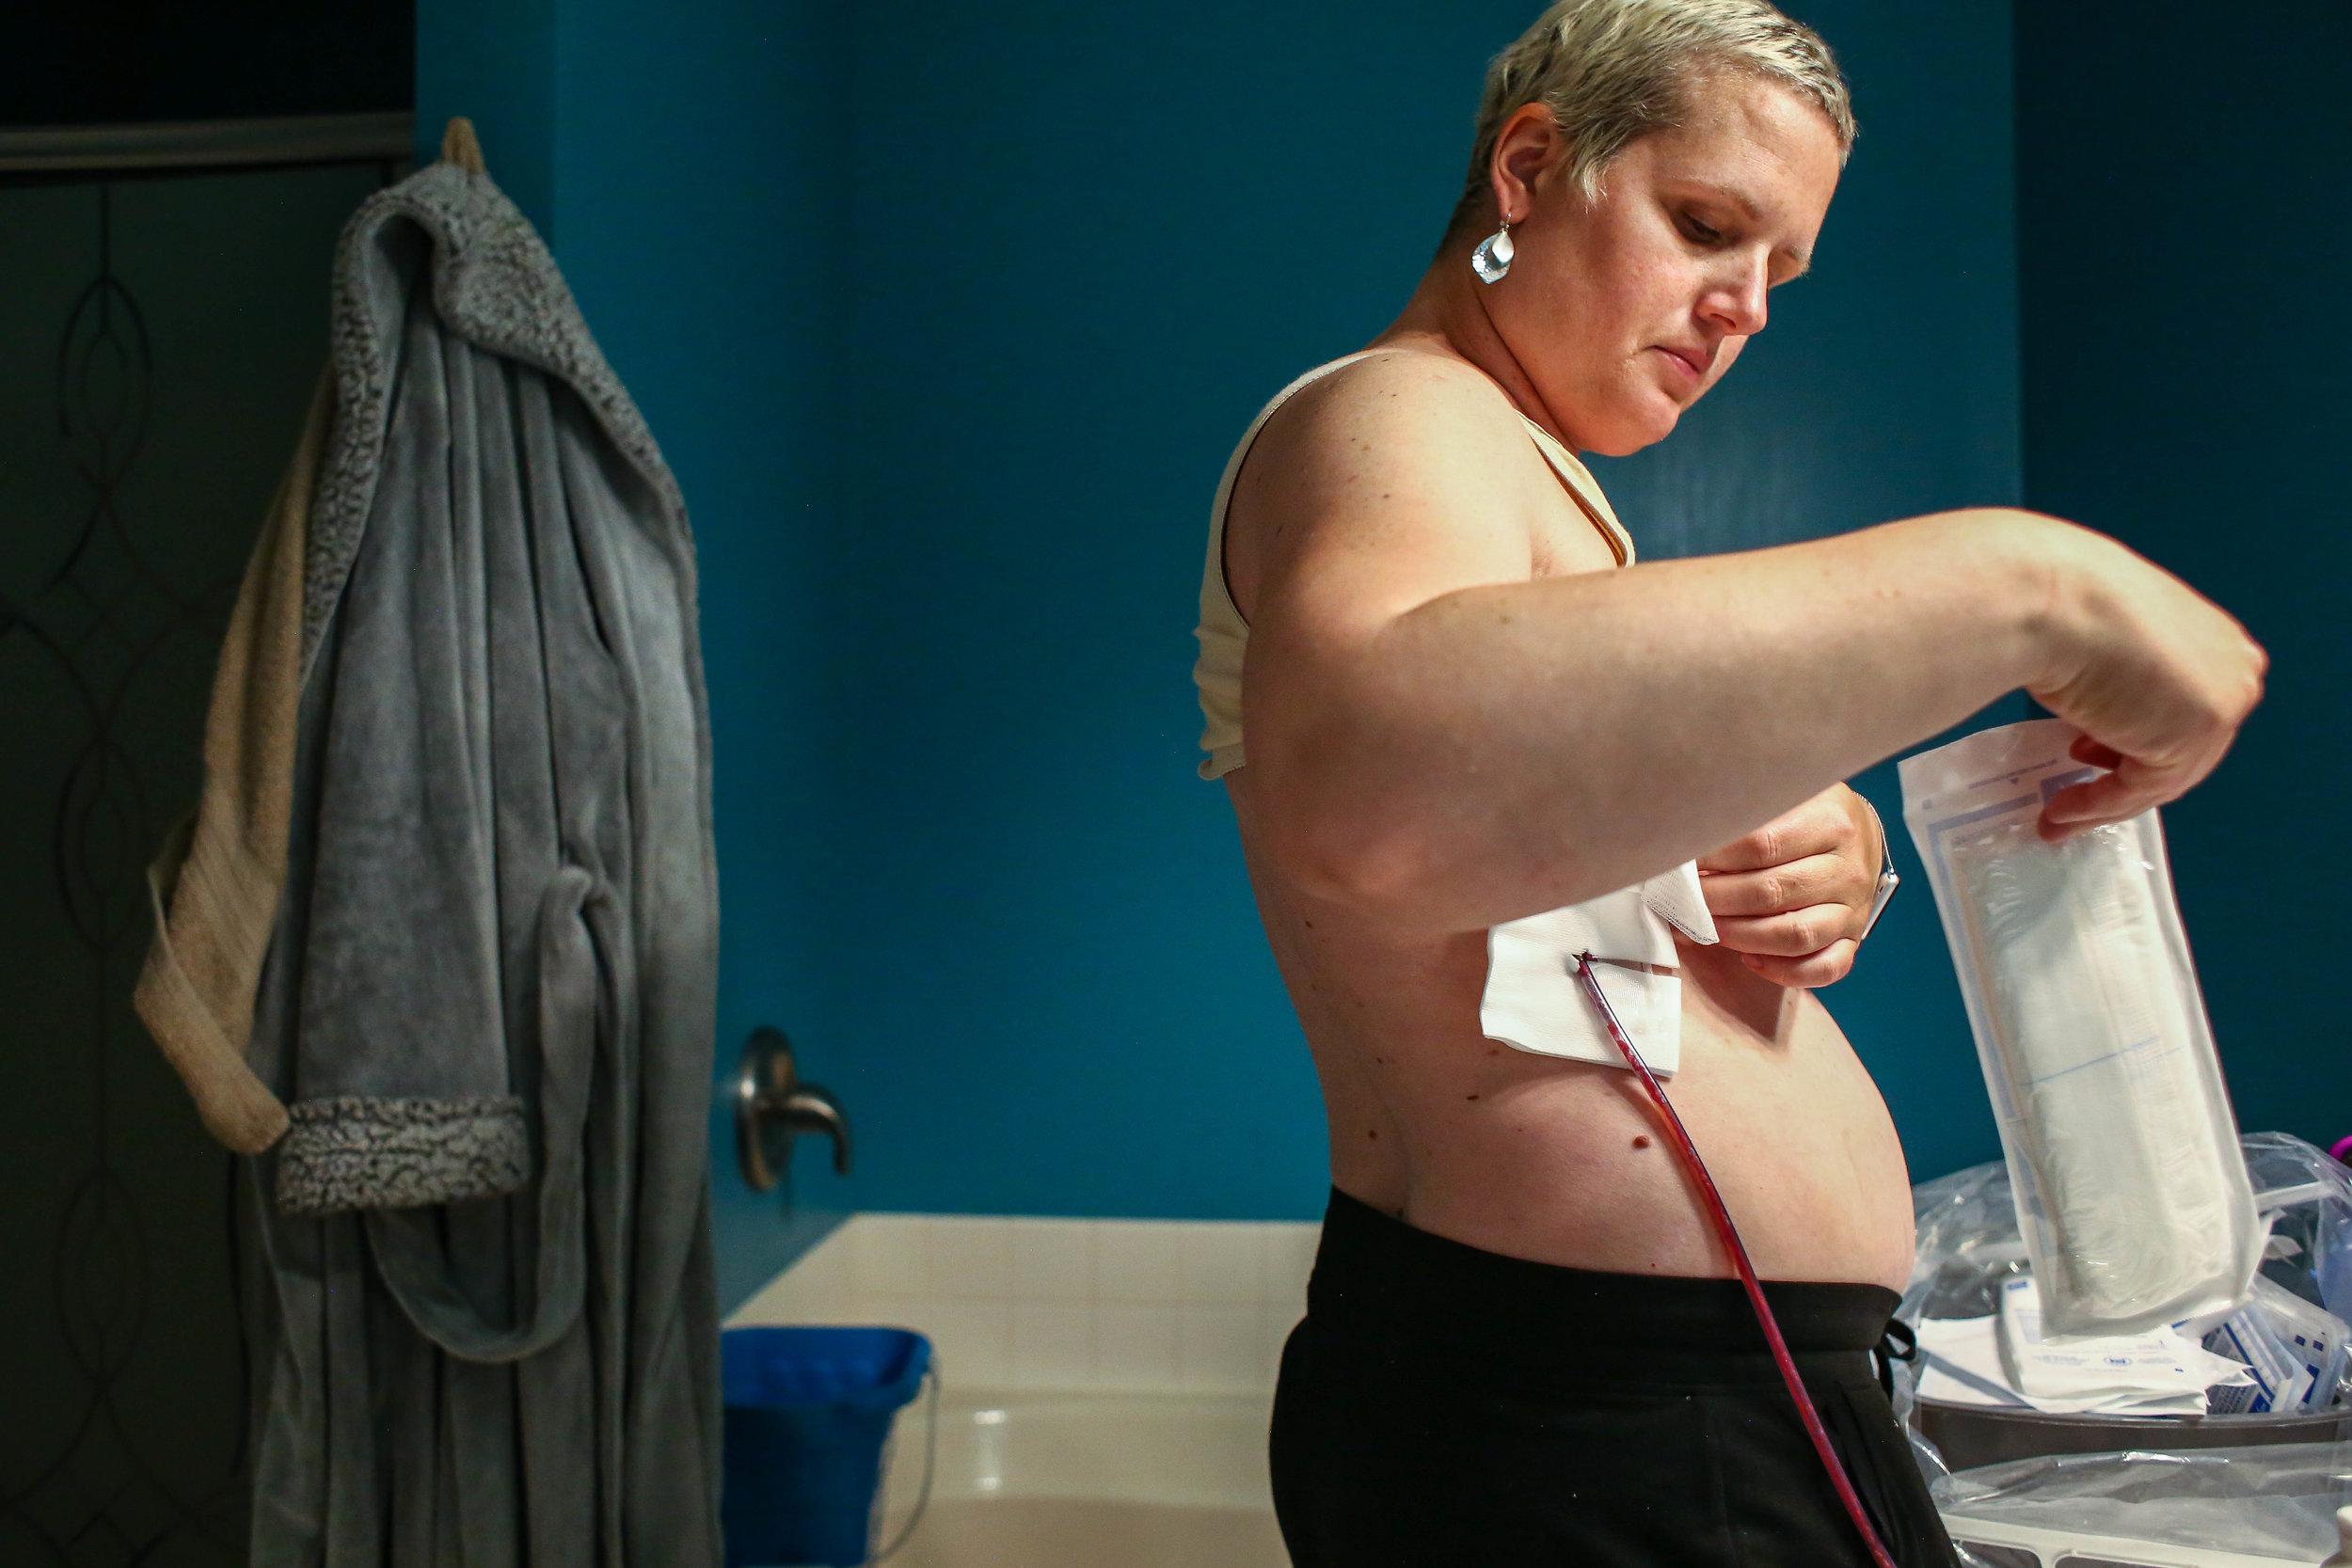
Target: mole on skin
(1641, 1140)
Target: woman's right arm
(1445, 745)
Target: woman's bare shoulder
(1405, 406)
(1417, 380)
(1409, 468)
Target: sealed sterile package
(2157, 1370)
(2123, 1154)
(2295, 1351)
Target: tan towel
(216, 883)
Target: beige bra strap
(1611, 533)
(1592, 516)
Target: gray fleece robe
(490, 1322)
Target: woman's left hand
(1793, 896)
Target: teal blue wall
(1105, 235)
(946, 323)
(493, 61)
(2186, 242)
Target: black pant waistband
(1377, 1277)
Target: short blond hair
(1612, 71)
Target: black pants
(1441, 1404)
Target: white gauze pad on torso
(1533, 1001)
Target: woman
(1523, 1345)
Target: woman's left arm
(1794, 896)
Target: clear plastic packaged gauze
(2122, 1153)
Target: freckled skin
(1535, 1157)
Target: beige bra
(1224, 635)
(1531, 1001)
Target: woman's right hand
(2156, 676)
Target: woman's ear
(1524, 148)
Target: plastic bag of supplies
(2123, 1154)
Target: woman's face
(1623, 311)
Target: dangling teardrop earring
(1491, 260)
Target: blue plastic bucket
(807, 1413)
